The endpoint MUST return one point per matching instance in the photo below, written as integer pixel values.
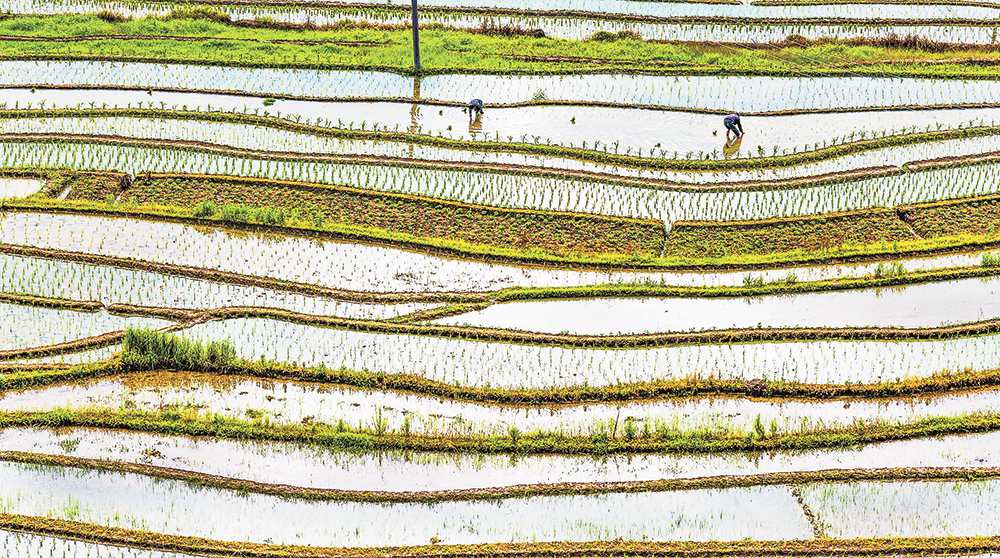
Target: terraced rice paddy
(269, 289)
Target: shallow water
(19, 187)
(135, 501)
(23, 545)
(915, 306)
(321, 467)
(918, 509)
(496, 364)
(739, 93)
(113, 285)
(360, 266)
(289, 402)
(656, 133)
(23, 326)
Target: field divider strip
(132, 538)
(794, 479)
(343, 437)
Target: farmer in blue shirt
(733, 125)
(475, 108)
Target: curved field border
(513, 294)
(795, 478)
(575, 153)
(341, 436)
(596, 549)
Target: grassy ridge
(813, 233)
(552, 236)
(556, 232)
(452, 50)
(626, 438)
(978, 215)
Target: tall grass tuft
(990, 260)
(147, 349)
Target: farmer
(475, 108)
(733, 125)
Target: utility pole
(416, 35)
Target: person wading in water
(475, 108)
(733, 125)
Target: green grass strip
(448, 50)
(188, 422)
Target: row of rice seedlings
(581, 27)
(365, 267)
(511, 190)
(649, 9)
(742, 93)
(388, 412)
(474, 363)
(319, 466)
(24, 326)
(950, 302)
(595, 130)
(112, 285)
(918, 509)
(598, 129)
(78, 357)
(891, 156)
(39, 546)
(134, 501)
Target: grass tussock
(146, 349)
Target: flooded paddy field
(292, 402)
(315, 466)
(270, 288)
(745, 94)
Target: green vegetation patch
(207, 40)
(71, 185)
(979, 215)
(816, 233)
(556, 232)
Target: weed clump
(111, 17)
(199, 12)
(146, 349)
(609, 36)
